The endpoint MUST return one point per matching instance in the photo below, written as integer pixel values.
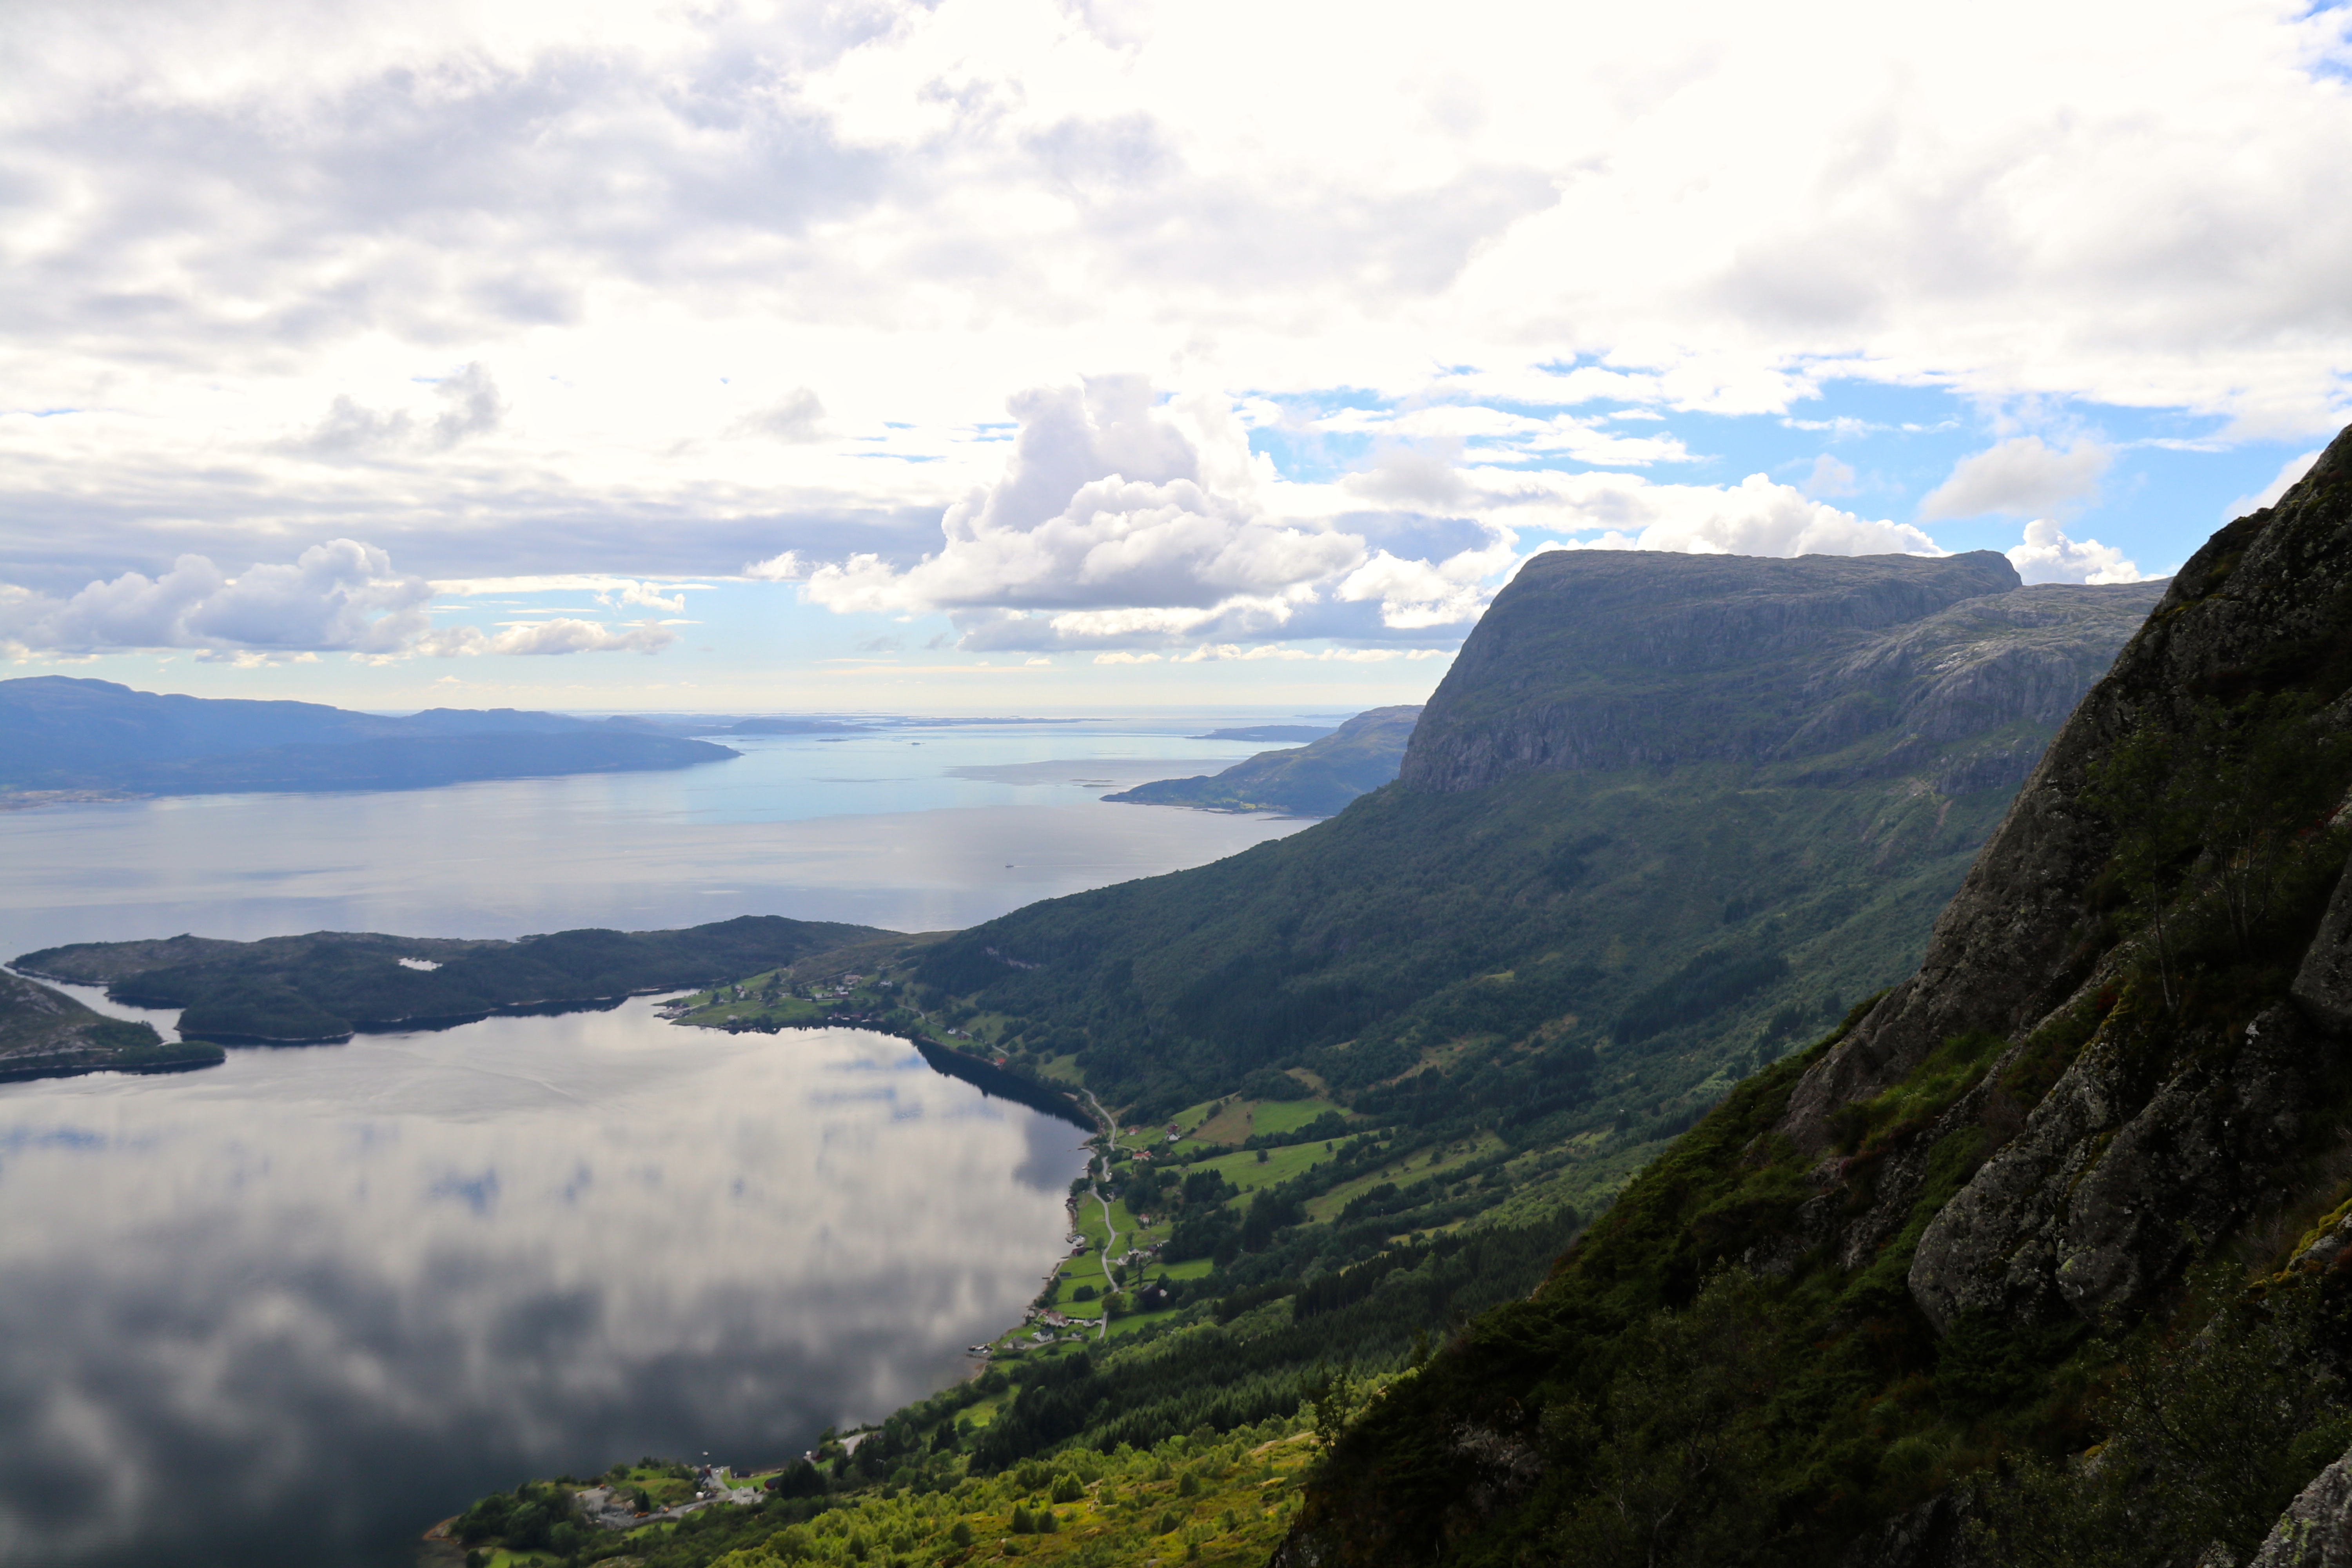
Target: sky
(1049, 355)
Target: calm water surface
(294, 1309)
(914, 829)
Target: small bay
(293, 1309)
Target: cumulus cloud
(1116, 520)
(2018, 478)
(2048, 556)
(341, 596)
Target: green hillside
(1317, 779)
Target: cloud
(1829, 478)
(561, 635)
(1123, 524)
(2017, 478)
(341, 596)
(795, 419)
(233, 242)
(2293, 469)
(470, 406)
(787, 567)
(1116, 519)
(1755, 517)
(2048, 556)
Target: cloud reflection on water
(293, 1309)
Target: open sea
(295, 1308)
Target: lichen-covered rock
(2117, 1180)
(2315, 1531)
(2323, 985)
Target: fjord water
(913, 828)
(293, 1309)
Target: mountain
(2042, 1255)
(46, 1034)
(59, 733)
(1591, 904)
(1317, 779)
(329, 985)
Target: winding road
(1111, 1141)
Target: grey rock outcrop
(2315, 1531)
(2115, 1180)
(1863, 666)
(2323, 983)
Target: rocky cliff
(1922, 1295)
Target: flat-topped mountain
(61, 733)
(1602, 661)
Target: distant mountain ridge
(65, 734)
(1317, 779)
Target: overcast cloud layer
(995, 309)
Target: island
(326, 986)
(47, 1034)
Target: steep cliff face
(1948, 1234)
(1598, 661)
